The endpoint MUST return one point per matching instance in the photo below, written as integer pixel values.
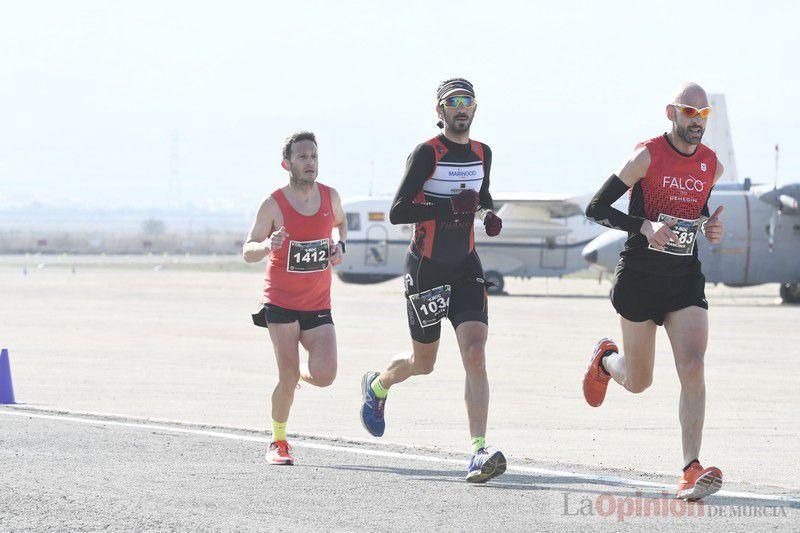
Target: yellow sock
(478, 443)
(278, 430)
(378, 389)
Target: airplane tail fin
(718, 137)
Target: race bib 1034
(431, 306)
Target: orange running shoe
(698, 482)
(595, 382)
(278, 453)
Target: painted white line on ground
(592, 478)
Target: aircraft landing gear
(495, 277)
(790, 293)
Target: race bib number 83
(308, 256)
(431, 306)
(686, 232)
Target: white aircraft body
(543, 235)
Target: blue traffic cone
(6, 387)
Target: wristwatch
(344, 246)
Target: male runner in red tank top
(293, 231)
(658, 279)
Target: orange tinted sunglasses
(692, 112)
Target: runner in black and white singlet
(437, 171)
(445, 185)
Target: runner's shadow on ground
(524, 482)
(544, 295)
(507, 481)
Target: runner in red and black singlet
(445, 185)
(676, 185)
(659, 279)
(293, 231)
(438, 170)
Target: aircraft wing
(527, 215)
(537, 206)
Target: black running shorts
(427, 283)
(272, 314)
(641, 296)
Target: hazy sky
(101, 102)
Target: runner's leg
(471, 337)
(688, 334)
(320, 342)
(285, 338)
(419, 362)
(633, 368)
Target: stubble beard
(460, 127)
(683, 133)
(301, 183)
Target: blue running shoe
(371, 406)
(485, 465)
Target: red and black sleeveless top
(675, 185)
(457, 167)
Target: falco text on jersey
(684, 184)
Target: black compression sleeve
(419, 167)
(485, 197)
(599, 209)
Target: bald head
(688, 124)
(691, 94)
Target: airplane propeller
(784, 201)
(773, 222)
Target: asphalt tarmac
(77, 473)
(178, 345)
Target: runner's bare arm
(261, 236)
(339, 218)
(713, 228)
(340, 222)
(706, 212)
(719, 172)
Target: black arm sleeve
(600, 211)
(484, 196)
(419, 167)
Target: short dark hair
(294, 138)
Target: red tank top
(676, 184)
(298, 273)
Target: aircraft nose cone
(603, 251)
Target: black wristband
(344, 246)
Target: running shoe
(278, 453)
(485, 465)
(372, 406)
(698, 482)
(595, 382)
